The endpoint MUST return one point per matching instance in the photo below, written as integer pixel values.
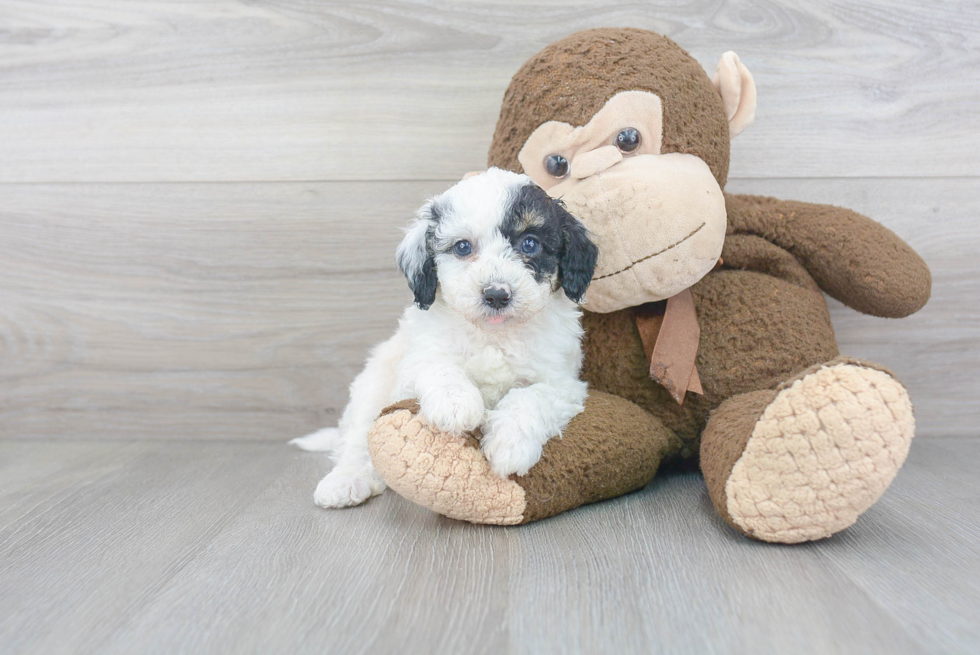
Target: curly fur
(511, 370)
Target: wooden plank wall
(199, 202)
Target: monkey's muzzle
(659, 222)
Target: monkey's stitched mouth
(652, 255)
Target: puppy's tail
(325, 440)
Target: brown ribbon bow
(670, 334)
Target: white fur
(518, 380)
(325, 440)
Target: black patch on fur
(435, 213)
(423, 281)
(578, 257)
(533, 213)
(424, 284)
(566, 248)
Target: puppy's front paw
(346, 489)
(453, 409)
(508, 449)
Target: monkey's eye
(463, 248)
(628, 140)
(556, 165)
(530, 246)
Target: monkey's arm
(854, 259)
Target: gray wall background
(199, 203)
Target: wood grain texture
(393, 578)
(930, 524)
(97, 532)
(203, 547)
(243, 311)
(302, 90)
(230, 311)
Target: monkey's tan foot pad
(823, 450)
(610, 449)
(449, 475)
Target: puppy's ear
(578, 256)
(415, 257)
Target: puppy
(493, 340)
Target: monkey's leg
(805, 460)
(610, 449)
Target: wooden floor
(209, 547)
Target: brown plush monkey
(707, 335)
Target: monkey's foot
(444, 473)
(806, 460)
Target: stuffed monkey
(707, 333)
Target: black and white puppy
(493, 340)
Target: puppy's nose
(497, 297)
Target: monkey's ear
(578, 255)
(735, 85)
(415, 257)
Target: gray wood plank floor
(209, 547)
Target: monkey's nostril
(496, 297)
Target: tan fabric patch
(572, 79)
(735, 85)
(659, 222)
(637, 109)
(670, 333)
(821, 454)
(440, 472)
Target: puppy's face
(495, 247)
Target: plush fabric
(571, 79)
(741, 347)
(795, 442)
(854, 259)
(735, 85)
(445, 473)
(724, 440)
(637, 109)
(641, 264)
(820, 452)
(671, 334)
(450, 475)
(580, 468)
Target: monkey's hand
(859, 262)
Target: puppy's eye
(462, 248)
(556, 165)
(628, 140)
(530, 246)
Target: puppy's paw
(508, 449)
(347, 488)
(453, 409)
